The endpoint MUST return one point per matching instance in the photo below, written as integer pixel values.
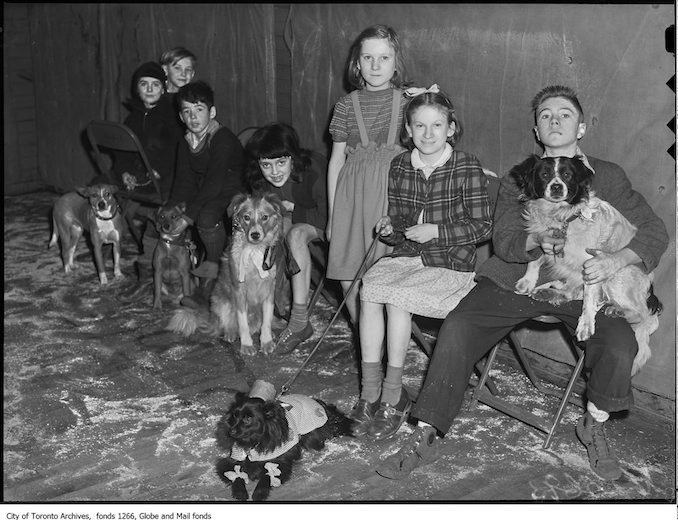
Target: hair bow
(273, 472)
(415, 91)
(232, 475)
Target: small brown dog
(242, 300)
(94, 209)
(172, 254)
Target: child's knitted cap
(149, 69)
(262, 390)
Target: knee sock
(371, 381)
(598, 415)
(393, 384)
(298, 317)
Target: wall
(491, 59)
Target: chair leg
(484, 376)
(566, 398)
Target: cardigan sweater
(611, 184)
(454, 197)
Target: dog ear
(83, 191)
(274, 200)
(584, 177)
(223, 437)
(235, 204)
(523, 174)
(182, 206)
(112, 188)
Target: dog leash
(561, 232)
(285, 388)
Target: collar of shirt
(195, 141)
(582, 156)
(417, 163)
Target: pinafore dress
(361, 198)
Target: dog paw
(613, 312)
(157, 306)
(524, 286)
(103, 279)
(247, 350)
(239, 490)
(585, 328)
(268, 347)
(118, 275)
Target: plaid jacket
(454, 197)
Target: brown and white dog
(558, 198)
(172, 255)
(242, 300)
(94, 209)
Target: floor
(102, 404)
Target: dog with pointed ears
(93, 209)
(558, 199)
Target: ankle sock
(393, 384)
(298, 317)
(371, 381)
(598, 415)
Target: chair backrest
(117, 137)
(245, 134)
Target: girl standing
(365, 130)
(179, 65)
(438, 211)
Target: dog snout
(556, 191)
(101, 204)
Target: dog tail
(653, 302)
(189, 321)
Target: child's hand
(129, 181)
(422, 233)
(384, 227)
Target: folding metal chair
(111, 137)
(547, 426)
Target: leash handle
(285, 388)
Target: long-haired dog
(242, 300)
(265, 436)
(93, 209)
(558, 198)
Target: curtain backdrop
(491, 59)
(84, 56)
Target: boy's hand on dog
(602, 266)
(550, 244)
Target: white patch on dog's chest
(108, 231)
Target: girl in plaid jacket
(438, 210)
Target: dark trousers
(485, 316)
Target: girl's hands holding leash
(422, 233)
(384, 227)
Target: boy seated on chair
(209, 169)
(278, 164)
(492, 308)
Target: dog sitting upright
(172, 255)
(95, 209)
(558, 198)
(242, 300)
(264, 436)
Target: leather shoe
(288, 340)
(389, 418)
(362, 416)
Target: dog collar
(115, 212)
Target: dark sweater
(610, 184)
(159, 131)
(213, 171)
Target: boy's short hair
(171, 56)
(556, 91)
(196, 92)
